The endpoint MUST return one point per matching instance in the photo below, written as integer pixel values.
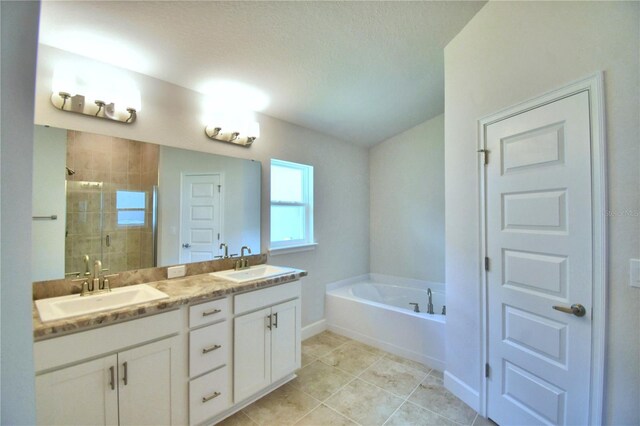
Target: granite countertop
(181, 291)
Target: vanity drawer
(208, 312)
(208, 348)
(209, 395)
(257, 299)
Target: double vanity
(189, 350)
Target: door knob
(575, 309)
(186, 245)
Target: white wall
(19, 43)
(407, 203)
(510, 52)
(171, 116)
(49, 198)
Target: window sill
(275, 251)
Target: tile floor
(345, 382)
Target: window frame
(307, 242)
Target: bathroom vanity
(209, 349)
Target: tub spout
(430, 304)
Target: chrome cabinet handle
(575, 309)
(275, 323)
(210, 349)
(112, 381)
(211, 312)
(210, 397)
(124, 373)
(270, 322)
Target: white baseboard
(462, 390)
(396, 350)
(313, 329)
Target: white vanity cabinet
(138, 385)
(266, 338)
(209, 359)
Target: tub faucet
(416, 308)
(430, 304)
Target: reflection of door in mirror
(116, 227)
(201, 217)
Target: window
(131, 208)
(291, 205)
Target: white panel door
(285, 339)
(84, 394)
(251, 353)
(146, 382)
(539, 241)
(201, 217)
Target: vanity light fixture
(96, 92)
(243, 135)
(77, 103)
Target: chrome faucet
(430, 304)
(98, 283)
(243, 263)
(416, 308)
(226, 250)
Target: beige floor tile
(350, 358)
(432, 395)
(412, 415)
(238, 419)
(438, 374)
(367, 348)
(324, 416)
(393, 377)
(320, 380)
(307, 359)
(410, 363)
(364, 403)
(481, 421)
(335, 336)
(283, 406)
(321, 344)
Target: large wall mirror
(135, 205)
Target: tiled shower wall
(104, 165)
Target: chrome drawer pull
(214, 311)
(210, 397)
(210, 348)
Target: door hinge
(487, 370)
(486, 263)
(485, 154)
(219, 186)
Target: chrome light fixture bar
(64, 101)
(239, 137)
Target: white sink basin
(57, 308)
(258, 272)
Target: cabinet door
(252, 354)
(285, 339)
(148, 382)
(84, 394)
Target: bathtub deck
(345, 382)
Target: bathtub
(375, 309)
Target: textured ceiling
(359, 71)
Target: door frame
(594, 85)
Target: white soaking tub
(376, 309)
